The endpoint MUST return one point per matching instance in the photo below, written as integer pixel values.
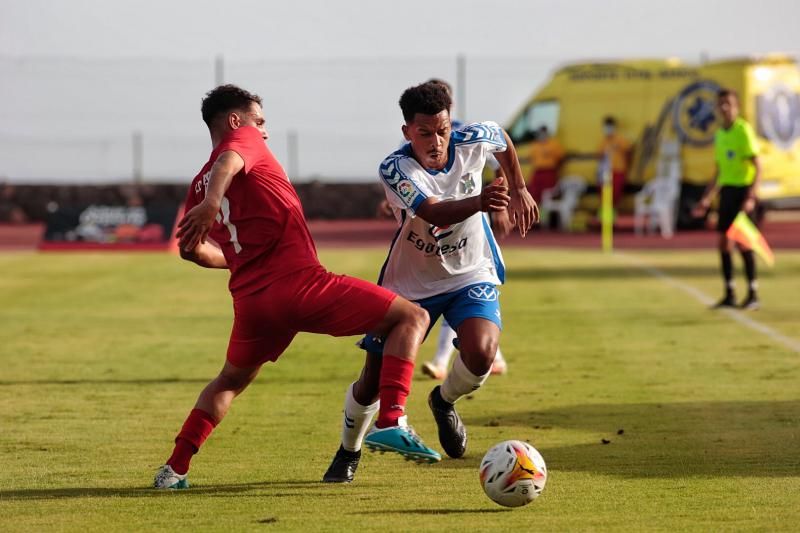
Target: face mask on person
(608, 129)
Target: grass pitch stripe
(706, 300)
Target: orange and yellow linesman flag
(746, 233)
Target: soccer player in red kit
(243, 200)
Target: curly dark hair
(444, 84)
(226, 98)
(429, 98)
(725, 92)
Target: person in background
(737, 175)
(546, 155)
(614, 151)
(10, 210)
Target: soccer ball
(513, 473)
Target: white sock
(444, 347)
(356, 421)
(460, 382)
(499, 357)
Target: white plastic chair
(655, 205)
(568, 191)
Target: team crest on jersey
(439, 233)
(484, 293)
(407, 192)
(778, 111)
(467, 183)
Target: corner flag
(746, 233)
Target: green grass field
(102, 357)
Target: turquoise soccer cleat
(403, 440)
(166, 478)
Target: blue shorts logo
(484, 293)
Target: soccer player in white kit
(437, 367)
(443, 256)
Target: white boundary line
(706, 300)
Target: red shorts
(542, 179)
(618, 184)
(312, 300)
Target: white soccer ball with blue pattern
(513, 473)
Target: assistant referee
(737, 176)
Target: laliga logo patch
(484, 293)
(439, 233)
(778, 112)
(694, 113)
(407, 192)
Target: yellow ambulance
(659, 102)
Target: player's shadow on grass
(274, 488)
(594, 272)
(274, 377)
(428, 511)
(663, 440)
(101, 381)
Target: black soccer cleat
(729, 300)
(343, 468)
(452, 433)
(751, 303)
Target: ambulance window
(538, 114)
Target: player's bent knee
(488, 352)
(484, 352)
(236, 379)
(232, 383)
(419, 317)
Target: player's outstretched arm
(493, 197)
(522, 207)
(206, 255)
(196, 223)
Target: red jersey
(260, 226)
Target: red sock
(395, 384)
(195, 431)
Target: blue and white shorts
(479, 300)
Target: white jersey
(425, 260)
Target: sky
(78, 77)
(261, 29)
